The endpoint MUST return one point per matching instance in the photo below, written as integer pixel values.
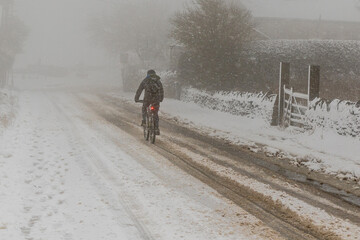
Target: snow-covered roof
(337, 10)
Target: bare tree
(12, 37)
(213, 33)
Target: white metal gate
(295, 106)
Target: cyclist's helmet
(151, 72)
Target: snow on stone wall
(343, 117)
(340, 116)
(251, 105)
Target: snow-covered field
(244, 119)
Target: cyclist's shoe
(143, 123)
(157, 131)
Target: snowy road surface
(75, 166)
(67, 174)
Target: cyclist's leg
(144, 112)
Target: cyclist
(154, 94)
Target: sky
(59, 36)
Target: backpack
(152, 87)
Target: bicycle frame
(151, 123)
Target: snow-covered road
(66, 173)
(74, 165)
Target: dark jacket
(148, 97)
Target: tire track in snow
(104, 173)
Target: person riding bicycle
(154, 94)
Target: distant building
(281, 28)
(329, 10)
(311, 19)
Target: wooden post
(314, 83)
(12, 78)
(284, 80)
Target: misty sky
(58, 33)
(58, 30)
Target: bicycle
(149, 127)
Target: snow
(45, 187)
(331, 145)
(341, 116)
(300, 207)
(66, 173)
(228, 116)
(250, 105)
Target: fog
(58, 29)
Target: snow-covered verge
(340, 116)
(7, 107)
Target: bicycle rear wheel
(152, 130)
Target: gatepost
(284, 80)
(313, 83)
